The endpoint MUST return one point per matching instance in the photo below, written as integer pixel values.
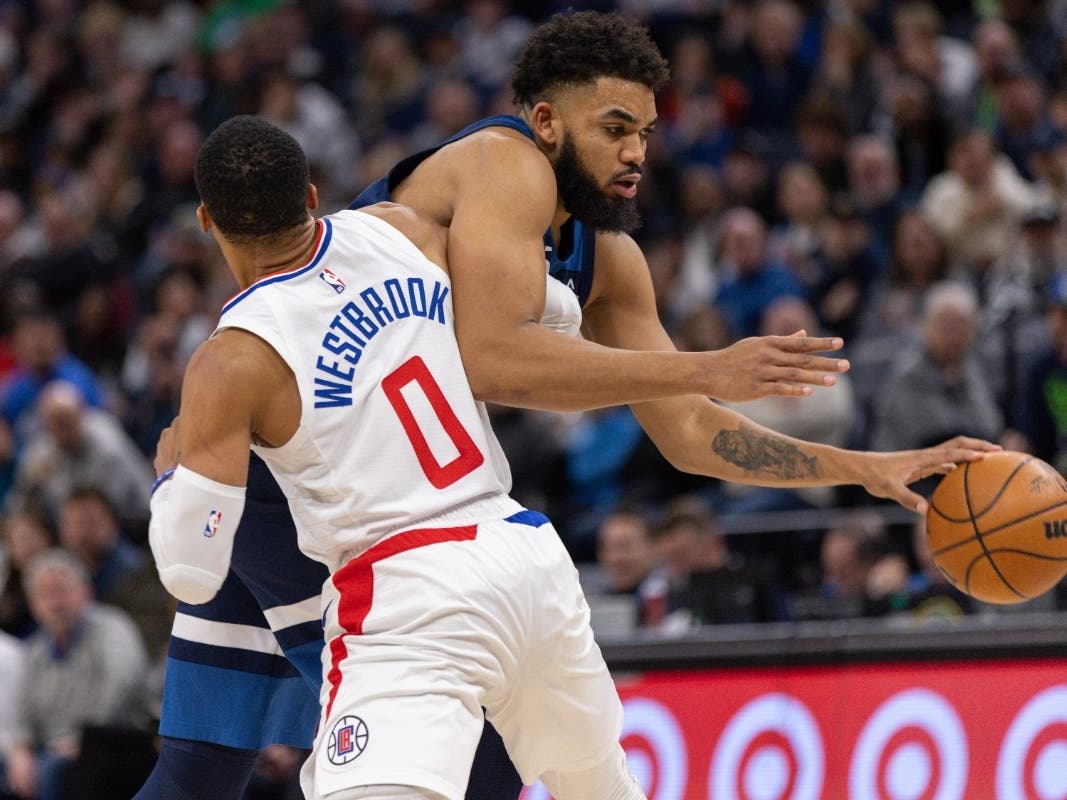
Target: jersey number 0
(469, 457)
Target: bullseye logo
(655, 751)
(347, 740)
(770, 750)
(1033, 758)
(912, 748)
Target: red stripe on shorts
(355, 586)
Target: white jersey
(390, 434)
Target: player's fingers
(911, 500)
(970, 443)
(808, 344)
(785, 389)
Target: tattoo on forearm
(764, 455)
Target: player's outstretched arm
(504, 201)
(622, 311)
(701, 437)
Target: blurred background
(891, 172)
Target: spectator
(122, 574)
(1042, 415)
(937, 389)
(490, 37)
(84, 666)
(707, 584)
(847, 554)
(81, 446)
(316, 119)
(995, 50)
(1022, 115)
(42, 356)
(803, 203)
(874, 188)
(829, 420)
(848, 270)
(624, 550)
(919, 260)
(976, 206)
(751, 282)
(26, 533)
(919, 128)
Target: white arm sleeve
(191, 533)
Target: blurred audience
(938, 388)
(82, 446)
(84, 666)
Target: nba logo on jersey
(211, 527)
(347, 740)
(332, 280)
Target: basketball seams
(979, 537)
(997, 529)
(992, 502)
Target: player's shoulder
(614, 249)
(497, 149)
(232, 357)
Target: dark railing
(1000, 635)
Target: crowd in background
(891, 172)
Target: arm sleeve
(194, 520)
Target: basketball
(997, 528)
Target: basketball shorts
(429, 626)
(244, 669)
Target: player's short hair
(575, 48)
(252, 178)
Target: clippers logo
(211, 527)
(347, 740)
(332, 280)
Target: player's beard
(586, 200)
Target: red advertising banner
(989, 730)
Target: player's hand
(889, 474)
(167, 449)
(783, 366)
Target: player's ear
(203, 218)
(546, 124)
(313, 197)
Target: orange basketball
(998, 527)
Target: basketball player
(750, 369)
(341, 367)
(208, 748)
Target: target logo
(1033, 757)
(655, 751)
(912, 748)
(771, 749)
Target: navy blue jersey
(571, 262)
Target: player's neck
(251, 262)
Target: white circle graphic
(909, 772)
(1050, 764)
(1050, 772)
(771, 713)
(766, 774)
(655, 723)
(920, 708)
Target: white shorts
(428, 627)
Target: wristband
(159, 481)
